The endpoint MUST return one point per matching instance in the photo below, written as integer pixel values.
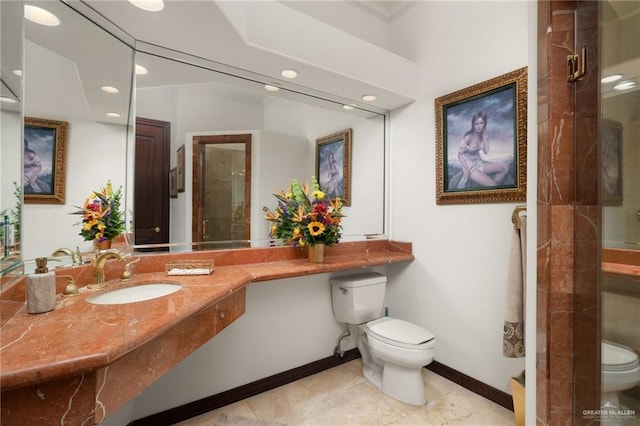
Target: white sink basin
(133, 294)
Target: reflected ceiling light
(625, 85)
(289, 73)
(148, 5)
(17, 72)
(611, 78)
(369, 98)
(348, 107)
(7, 100)
(113, 114)
(140, 70)
(40, 16)
(271, 87)
(110, 89)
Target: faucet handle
(77, 257)
(127, 274)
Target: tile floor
(341, 396)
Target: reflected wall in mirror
(199, 102)
(11, 97)
(66, 68)
(621, 121)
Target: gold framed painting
(180, 169)
(333, 165)
(44, 161)
(173, 182)
(611, 164)
(481, 142)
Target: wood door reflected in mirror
(222, 190)
(151, 202)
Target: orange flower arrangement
(101, 215)
(306, 216)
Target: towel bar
(515, 216)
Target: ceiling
(268, 36)
(620, 52)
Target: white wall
(456, 287)
(287, 323)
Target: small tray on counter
(189, 267)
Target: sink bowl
(133, 294)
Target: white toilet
(393, 351)
(620, 371)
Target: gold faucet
(76, 258)
(98, 271)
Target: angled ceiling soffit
(278, 29)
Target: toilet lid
(402, 332)
(618, 357)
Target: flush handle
(344, 290)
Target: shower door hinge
(577, 65)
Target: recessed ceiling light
(625, 85)
(289, 73)
(110, 89)
(113, 114)
(40, 16)
(148, 5)
(611, 78)
(348, 107)
(140, 70)
(369, 98)
(7, 100)
(17, 72)
(271, 87)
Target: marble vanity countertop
(621, 269)
(80, 337)
(624, 262)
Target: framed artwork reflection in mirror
(180, 169)
(611, 163)
(333, 165)
(45, 169)
(173, 183)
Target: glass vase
(316, 253)
(103, 245)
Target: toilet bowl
(620, 371)
(393, 351)
(400, 349)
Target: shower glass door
(619, 54)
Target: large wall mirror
(11, 97)
(64, 76)
(284, 125)
(80, 74)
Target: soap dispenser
(41, 289)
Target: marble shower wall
(568, 253)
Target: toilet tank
(358, 298)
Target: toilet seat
(617, 357)
(400, 333)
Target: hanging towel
(513, 330)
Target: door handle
(205, 229)
(155, 229)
